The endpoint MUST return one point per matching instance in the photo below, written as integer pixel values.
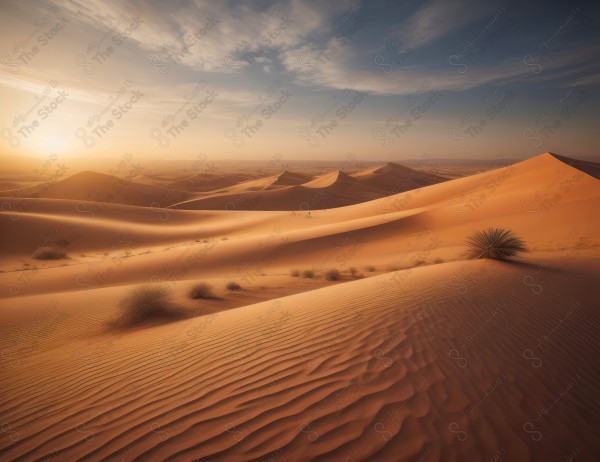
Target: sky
(306, 79)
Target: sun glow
(54, 143)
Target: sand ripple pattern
(406, 366)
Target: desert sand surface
(417, 355)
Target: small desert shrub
(371, 268)
(62, 243)
(419, 262)
(234, 286)
(48, 253)
(142, 304)
(201, 290)
(332, 275)
(353, 272)
(438, 260)
(308, 274)
(496, 243)
(295, 273)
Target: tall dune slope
(591, 168)
(100, 187)
(399, 367)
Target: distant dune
(207, 191)
(203, 182)
(331, 190)
(396, 178)
(280, 180)
(296, 192)
(100, 187)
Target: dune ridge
(397, 178)
(297, 192)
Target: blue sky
(381, 80)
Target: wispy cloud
(438, 19)
(210, 36)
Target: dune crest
(397, 178)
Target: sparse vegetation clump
(308, 274)
(332, 275)
(438, 260)
(494, 243)
(419, 262)
(201, 290)
(354, 273)
(234, 286)
(295, 273)
(48, 253)
(144, 304)
(371, 269)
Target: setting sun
(54, 143)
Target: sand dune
(334, 189)
(279, 180)
(234, 191)
(100, 187)
(458, 360)
(397, 178)
(342, 184)
(203, 182)
(287, 178)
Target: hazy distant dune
(100, 187)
